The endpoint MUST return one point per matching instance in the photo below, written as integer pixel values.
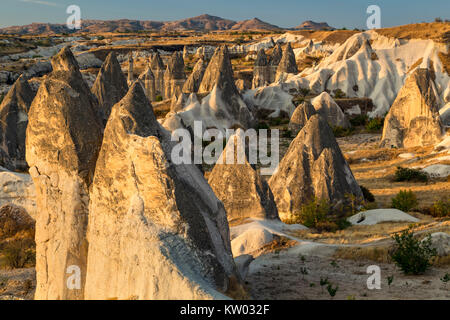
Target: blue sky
(284, 13)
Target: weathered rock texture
(224, 99)
(312, 167)
(158, 70)
(330, 110)
(130, 78)
(274, 61)
(301, 116)
(261, 70)
(238, 184)
(287, 64)
(18, 189)
(413, 119)
(195, 78)
(147, 81)
(156, 229)
(63, 140)
(175, 76)
(13, 124)
(110, 86)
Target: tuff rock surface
(414, 119)
(312, 167)
(13, 124)
(156, 229)
(63, 140)
(110, 85)
(238, 184)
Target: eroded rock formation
(175, 76)
(13, 124)
(330, 110)
(192, 83)
(261, 70)
(312, 167)
(237, 183)
(301, 116)
(156, 229)
(287, 64)
(147, 81)
(413, 119)
(158, 69)
(110, 86)
(64, 135)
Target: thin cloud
(45, 3)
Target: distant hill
(254, 24)
(203, 22)
(311, 25)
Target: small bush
(375, 125)
(339, 94)
(158, 98)
(368, 196)
(406, 174)
(313, 213)
(411, 255)
(19, 254)
(359, 120)
(342, 132)
(439, 209)
(404, 200)
(262, 125)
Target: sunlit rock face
(64, 135)
(174, 77)
(156, 229)
(312, 167)
(414, 119)
(110, 86)
(237, 183)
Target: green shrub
(411, 255)
(339, 94)
(439, 209)
(404, 200)
(406, 174)
(262, 125)
(368, 196)
(359, 120)
(342, 132)
(375, 125)
(19, 253)
(312, 213)
(158, 98)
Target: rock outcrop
(195, 78)
(301, 116)
(158, 69)
(413, 119)
(156, 229)
(274, 61)
(175, 76)
(287, 64)
(13, 124)
(330, 110)
(110, 86)
(18, 189)
(64, 135)
(237, 183)
(130, 78)
(147, 81)
(261, 70)
(312, 167)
